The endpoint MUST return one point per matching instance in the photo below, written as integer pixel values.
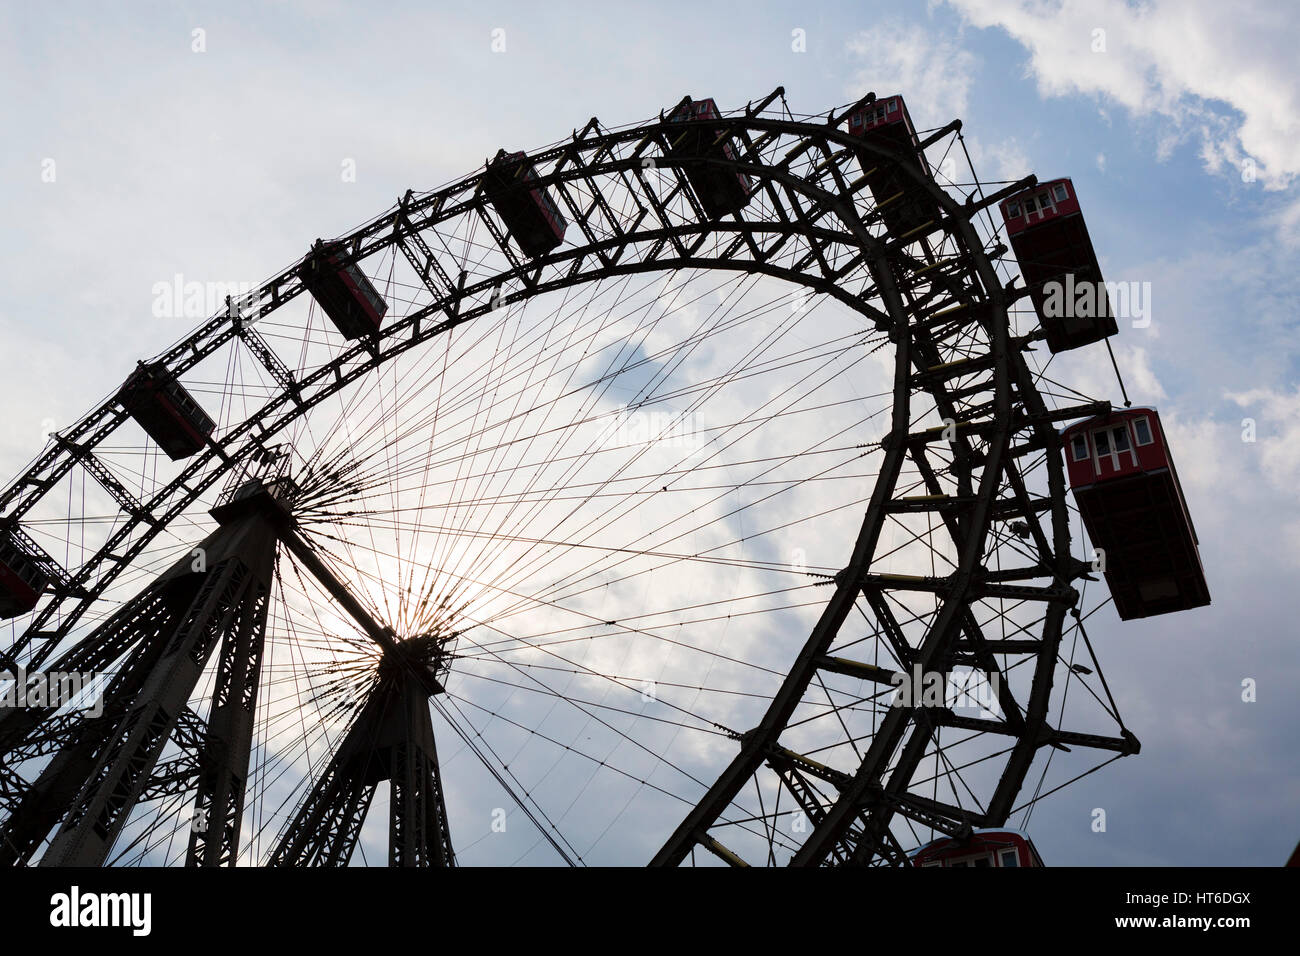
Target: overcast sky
(144, 141)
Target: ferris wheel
(690, 491)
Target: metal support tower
(391, 739)
(218, 595)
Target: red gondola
(342, 290)
(530, 214)
(1050, 240)
(22, 578)
(906, 206)
(992, 848)
(1126, 486)
(165, 410)
(719, 189)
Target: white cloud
(934, 74)
(1002, 161)
(1240, 493)
(1286, 220)
(1277, 430)
(1184, 62)
(1089, 372)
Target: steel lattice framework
(969, 431)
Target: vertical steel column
(223, 762)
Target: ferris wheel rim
(198, 477)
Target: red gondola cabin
(991, 848)
(720, 190)
(1047, 233)
(342, 290)
(1124, 481)
(906, 206)
(22, 579)
(530, 214)
(165, 410)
